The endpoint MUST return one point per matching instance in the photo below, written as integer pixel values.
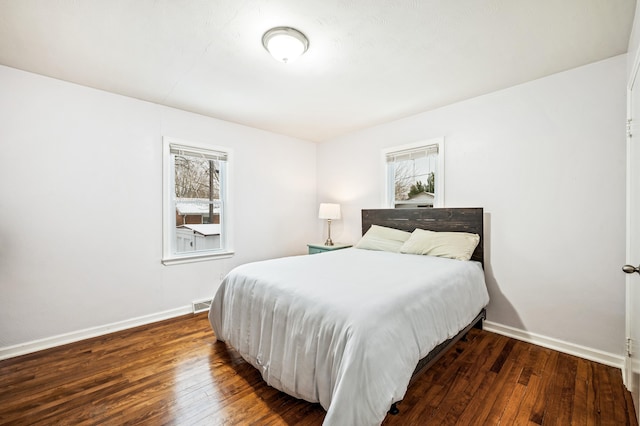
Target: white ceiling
(369, 61)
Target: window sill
(178, 260)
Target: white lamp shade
(329, 211)
(285, 44)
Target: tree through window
(415, 175)
(195, 207)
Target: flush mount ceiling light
(285, 44)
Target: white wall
(81, 207)
(546, 160)
(634, 44)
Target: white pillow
(383, 239)
(453, 245)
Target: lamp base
(328, 242)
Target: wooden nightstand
(321, 248)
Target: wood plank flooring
(174, 373)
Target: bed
(352, 328)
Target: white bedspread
(345, 328)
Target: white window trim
(388, 189)
(168, 219)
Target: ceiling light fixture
(286, 44)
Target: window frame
(389, 181)
(169, 255)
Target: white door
(632, 366)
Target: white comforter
(345, 328)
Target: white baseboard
(75, 336)
(591, 354)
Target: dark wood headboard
(433, 219)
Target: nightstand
(321, 248)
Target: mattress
(345, 328)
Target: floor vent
(201, 306)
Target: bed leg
(394, 409)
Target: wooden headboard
(433, 219)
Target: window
(196, 202)
(415, 175)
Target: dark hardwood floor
(174, 373)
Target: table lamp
(330, 212)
